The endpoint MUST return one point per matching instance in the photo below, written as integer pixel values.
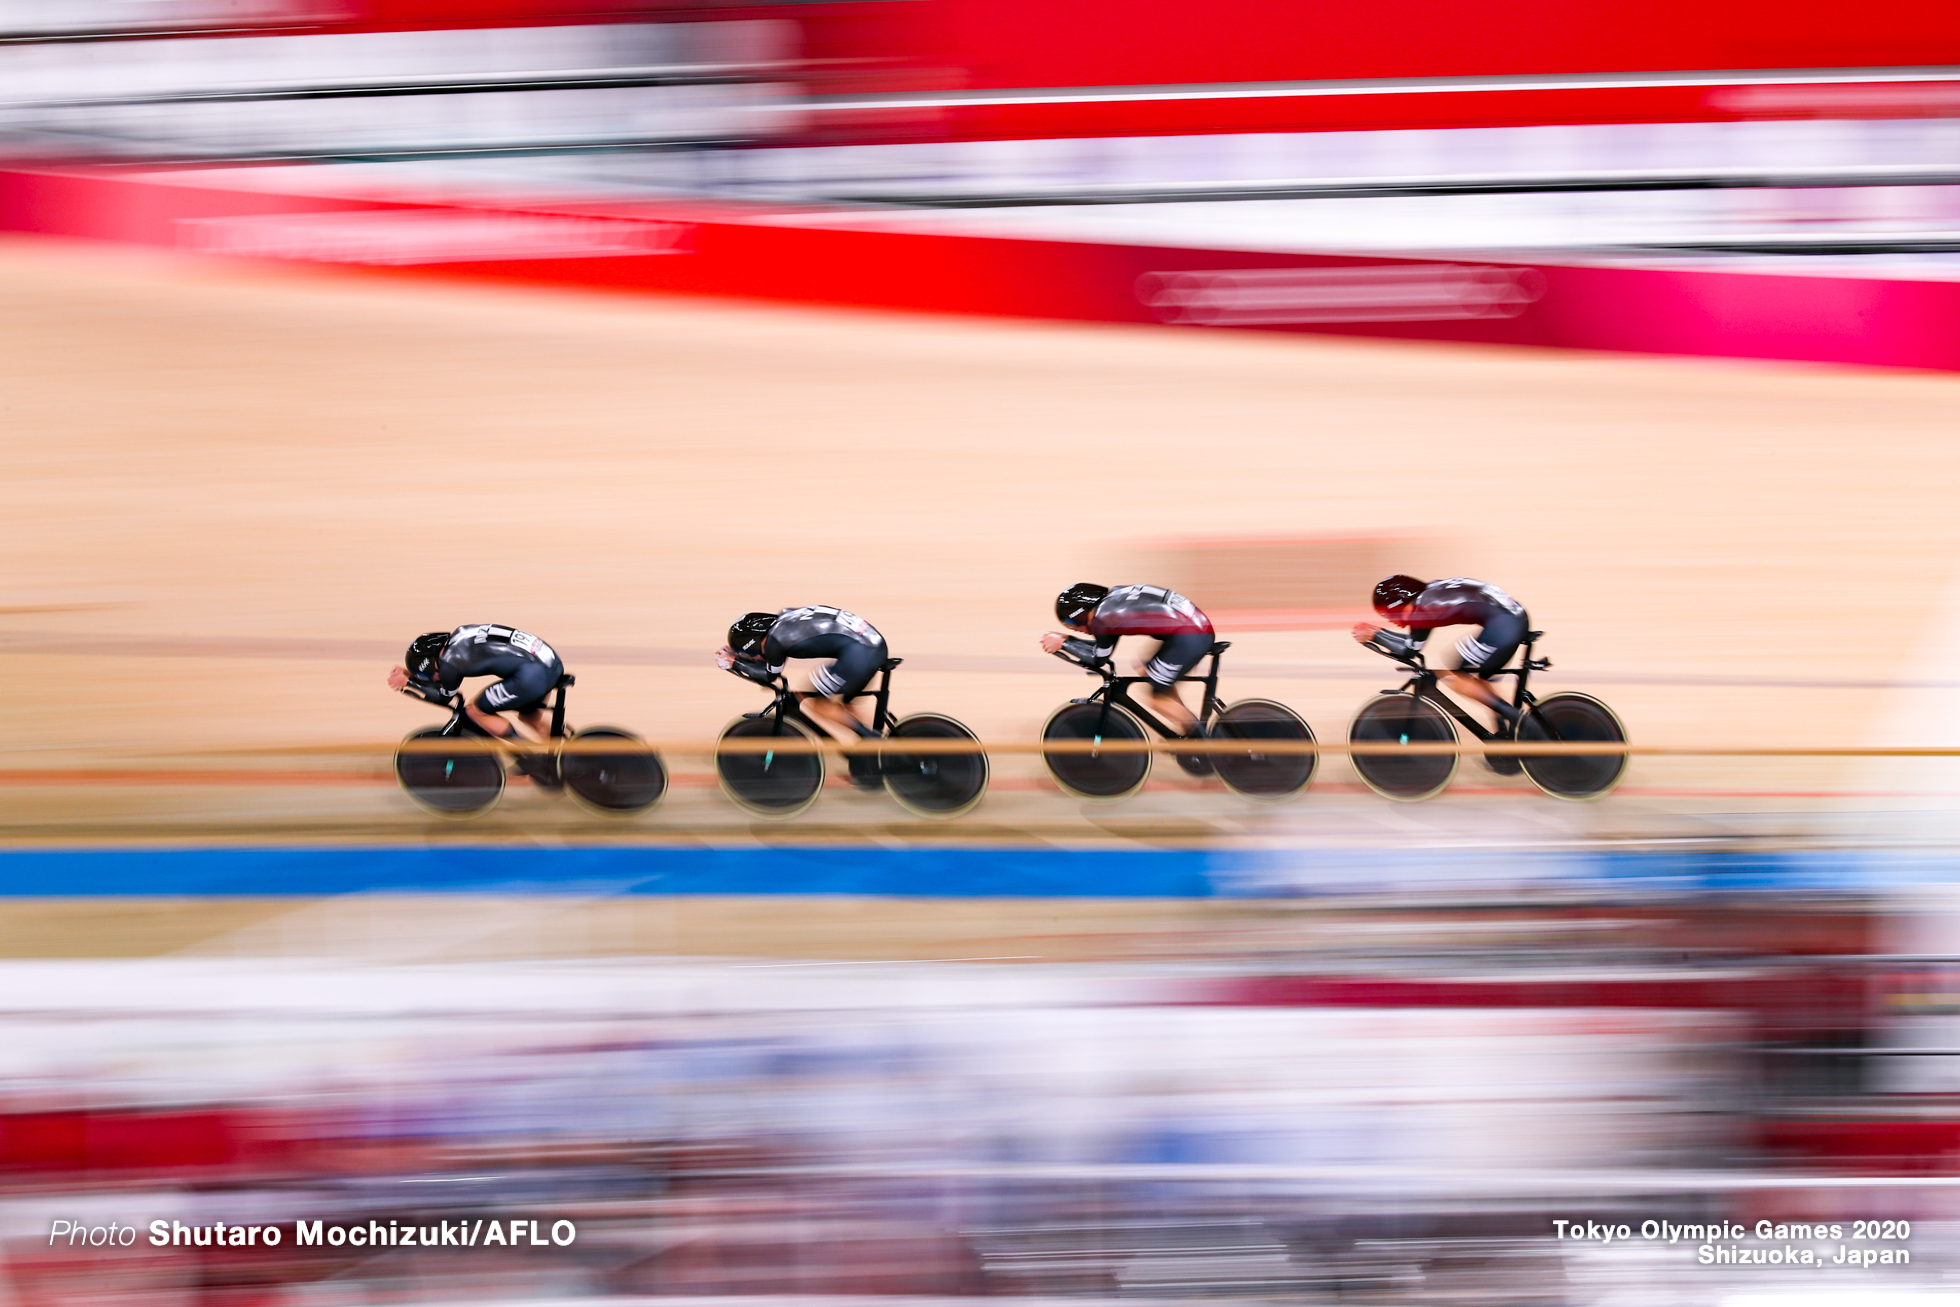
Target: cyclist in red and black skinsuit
(1108, 615)
(1422, 606)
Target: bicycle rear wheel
(934, 784)
(622, 776)
(1263, 775)
(1094, 773)
(459, 784)
(1575, 719)
(1403, 719)
(771, 782)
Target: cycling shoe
(1504, 764)
(542, 768)
(1196, 764)
(866, 772)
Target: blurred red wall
(1055, 43)
(1004, 43)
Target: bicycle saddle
(1219, 647)
(889, 663)
(1531, 637)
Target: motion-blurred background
(329, 322)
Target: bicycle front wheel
(621, 775)
(1096, 773)
(771, 782)
(1403, 719)
(459, 784)
(1574, 719)
(934, 783)
(1254, 773)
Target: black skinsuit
(818, 631)
(528, 668)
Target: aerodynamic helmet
(749, 631)
(424, 651)
(1078, 601)
(1397, 591)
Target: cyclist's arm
(455, 666)
(450, 671)
(1088, 651)
(1397, 643)
(749, 666)
(754, 670)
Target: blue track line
(124, 872)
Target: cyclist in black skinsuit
(1107, 615)
(439, 662)
(1422, 606)
(759, 645)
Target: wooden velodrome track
(232, 494)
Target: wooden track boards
(233, 493)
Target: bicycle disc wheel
(1263, 775)
(1094, 773)
(772, 782)
(1575, 719)
(933, 784)
(1403, 719)
(623, 776)
(459, 784)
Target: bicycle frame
(1422, 684)
(789, 703)
(461, 723)
(1116, 690)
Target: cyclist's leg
(493, 723)
(837, 719)
(835, 683)
(1483, 655)
(523, 693)
(1177, 655)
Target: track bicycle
(944, 777)
(1111, 716)
(1418, 712)
(606, 769)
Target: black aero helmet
(1397, 591)
(749, 631)
(424, 651)
(1078, 601)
